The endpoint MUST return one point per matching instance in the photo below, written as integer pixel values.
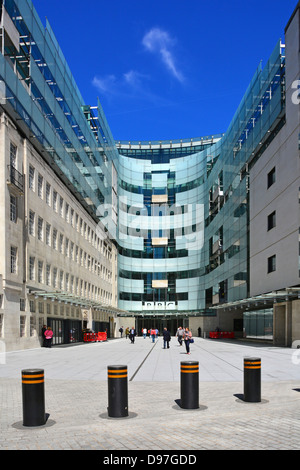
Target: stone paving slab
(76, 399)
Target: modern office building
(58, 267)
(99, 233)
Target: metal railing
(16, 178)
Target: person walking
(153, 334)
(132, 334)
(187, 337)
(48, 337)
(43, 335)
(127, 332)
(179, 335)
(166, 338)
(144, 332)
(121, 331)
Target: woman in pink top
(48, 337)
(187, 336)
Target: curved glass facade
(183, 208)
(178, 211)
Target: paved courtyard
(76, 398)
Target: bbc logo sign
(159, 306)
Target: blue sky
(166, 69)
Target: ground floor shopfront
(250, 324)
(67, 331)
(160, 322)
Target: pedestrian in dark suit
(166, 337)
(43, 335)
(132, 334)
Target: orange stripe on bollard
(32, 376)
(190, 369)
(252, 364)
(117, 374)
(32, 381)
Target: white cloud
(160, 42)
(134, 78)
(130, 87)
(127, 84)
(105, 84)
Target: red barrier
(95, 337)
(221, 334)
(101, 336)
(89, 337)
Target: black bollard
(33, 394)
(189, 385)
(117, 391)
(252, 379)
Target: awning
(263, 300)
(74, 300)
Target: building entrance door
(172, 324)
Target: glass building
(184, 209)
(177, 212)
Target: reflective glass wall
(258, 324)
(183, 217)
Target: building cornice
(292, 17)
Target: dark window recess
(272, 220)
(271, 177)
(272, 264)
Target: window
(48, 234)
(271, 177)
(61, 280)
(67, 282)
(61, 206)
(22, 325)
(40, 229)
(22, 305)
(13, 260)
(48, 194)
(40, 271)
(41, 307)
(31, 177)
(272, 220)
(54, 239)
(67, 247)
(55, 201)
(40, 186)
(54, 277)
(48, 275)
(13, 209)
(32, 326)
(67, 214)
(31, 223)
(61, 243)
(272, 264)
(31, 268)
(13, 155)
